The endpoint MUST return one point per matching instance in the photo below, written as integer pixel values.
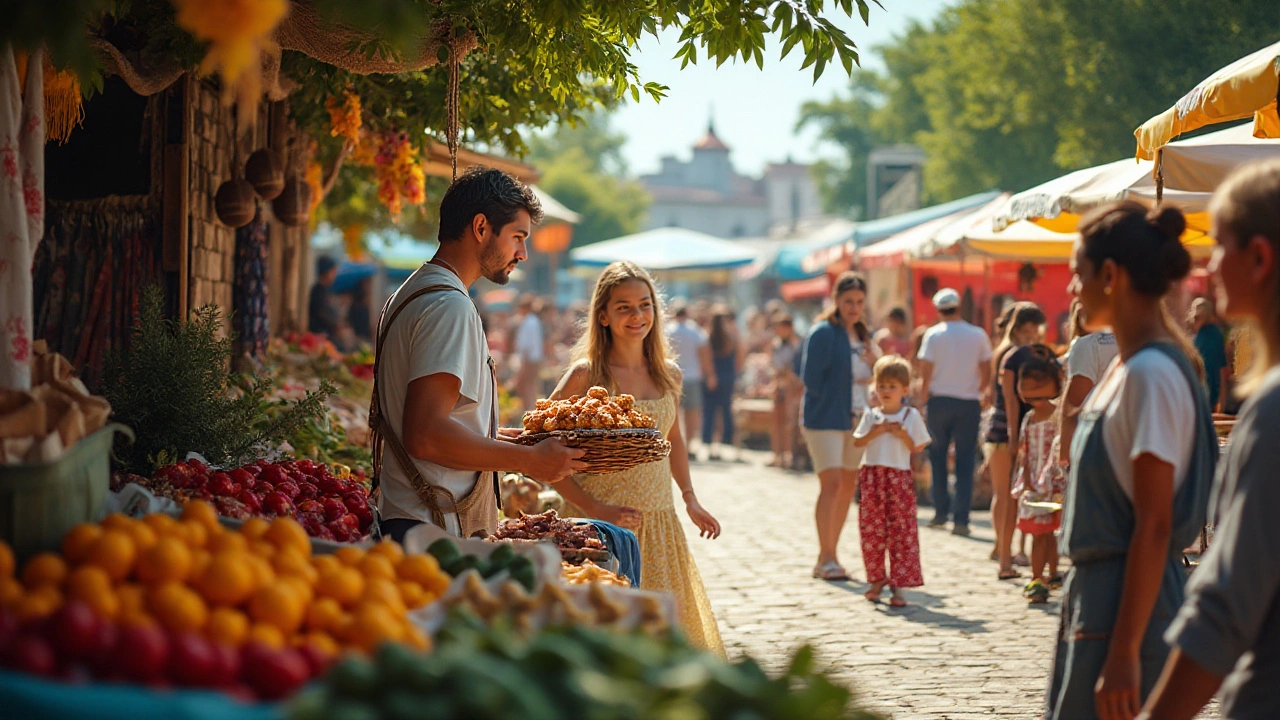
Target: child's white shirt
(889, 450)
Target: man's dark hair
(484, 191)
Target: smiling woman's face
(629, 313)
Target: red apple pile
(327, 507)
(77, 645)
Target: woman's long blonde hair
(1248, 204)
(596, 341)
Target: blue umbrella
(668, 248)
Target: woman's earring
(1106, 291)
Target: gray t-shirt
(439, 332)
(1230, 623)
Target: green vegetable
(354, 678)
(481, 672)
(444, 550)
(522, 571)
(504, 554)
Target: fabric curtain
(250, 289)
(21, 208)
(96, 258)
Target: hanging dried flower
(365, 151)
(399, 173)
(63, 99)
(315, 178)
(237, 32)
(344, 116)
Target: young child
(887, 515)
(1038, 477)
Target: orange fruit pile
(259, 583)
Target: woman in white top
(1088, 358)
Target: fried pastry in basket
(596, 410)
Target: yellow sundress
(666, 563)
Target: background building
(706, 194)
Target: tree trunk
(21, 210)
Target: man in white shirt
(955, 372)
(529, 347)
(693, 355)
(435, 394)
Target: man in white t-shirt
(692, 349)
(435, 384)
(530, 347)
(955, 372)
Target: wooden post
(176, 192)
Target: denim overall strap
(1097, 520)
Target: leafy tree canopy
(1010, 93)
(537, 62)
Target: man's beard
(494, 266)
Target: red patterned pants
(887, 520)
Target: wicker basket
(609, 451)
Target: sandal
(874, 593)
(1021, 560)
(830, 571)
(1009, 574)
(1037, 593)
(1055, 582)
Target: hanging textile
(21, 208)
(250, 289)
(89, 273)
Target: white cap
(946, 299)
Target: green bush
(174, 387)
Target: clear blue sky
(755, 110)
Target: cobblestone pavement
(967, 647)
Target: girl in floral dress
(625, 351)
(1039, 477)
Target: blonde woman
(1225, 636)
(625, 351)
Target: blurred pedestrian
(1023, 330)
(1211, 343)
(1088, 358)
(322, 316)
(836, 369)
(728, 353)
(693, 356)
(787, 389)
(895, 337)
(359, 312)
(530, 347)
(955, 373)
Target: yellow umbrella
(1246, 88)
(1052, 240)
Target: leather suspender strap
(437, 499)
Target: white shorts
(832, 449)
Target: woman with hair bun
(1142, 460)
